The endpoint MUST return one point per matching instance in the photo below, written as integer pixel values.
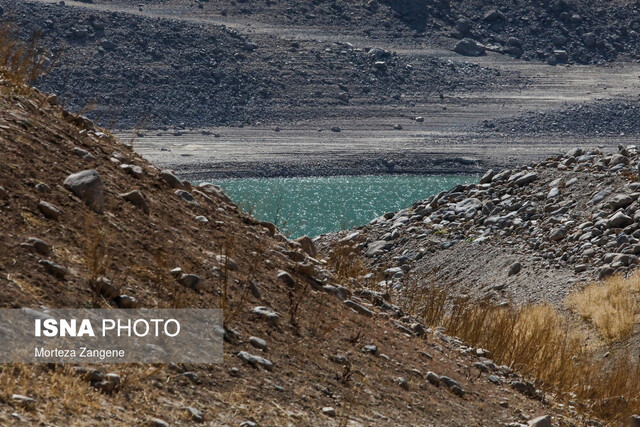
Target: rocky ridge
(529, 234)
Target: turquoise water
(318, 205)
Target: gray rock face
(87, 186)
(469, 47)
(171, 180)
(255, 360)
(136, 198)
(187, 197)
(49, 210)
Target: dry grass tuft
(612, 306)
(346, 264)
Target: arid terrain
(511, 301)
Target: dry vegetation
(543, 344)
(612, 306)
(22, 63)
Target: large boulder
(87, 186)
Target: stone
(469, 47)
(203, 219)
(136, 198)
(87, 186)
(544, 421)
(371, 349)
(171, 180)
(126, 301)
(109, 384)
(574, 152)
(258, 343)
(38, 245)
(49, 210)
(107, 289)
(526, 179)
(255, 361)
(191, 281)
(433, 378)
(358, 308)
(618, 159)
(308, 246)
(84, 154)
(54, 269)
(227, 263)
(487, 177)
(23, 401)
(467, 204)
(620, 201)
(196, 414)
(187, 197)
(557, 234)
(336, 129)
(515, 268)
(329, 411)
(377, 248)
(286, 278)
(619, 220)
(157, 422)
(601, 195)
(134, 170)
(267, 313)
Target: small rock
(126, 301)
(23, 401)
(134, 170)
(308, 246)
(329, 411)
(157, 422)
(255, 360)
(187, 197)
(227, 263)
(267, 313)
(196, 414)
(49, 210)
(54, 269)
(469, 47)
(619, 220)
(136, 198)
(544, 421)
(515, 268)
(358, 308)
(171, 180)
(433, 378)
(84, 154)
(191, 281)
(258, 343)
(286, 278)
(40, 246)
(87, 186)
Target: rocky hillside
(89, 223)
(529, 234)
(554, 31)
(129, 69)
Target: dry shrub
(346, 264)
(539, 342)
(22, 63)
(612, 306)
